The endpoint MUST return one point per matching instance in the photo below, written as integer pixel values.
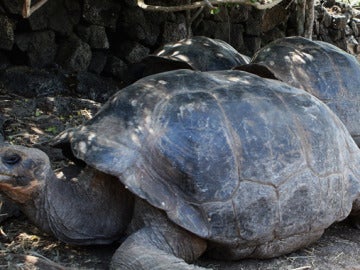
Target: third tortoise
(320, 68)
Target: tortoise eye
(11, 158)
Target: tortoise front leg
(159, 244)
(149, 249)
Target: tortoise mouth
(6, 177)
(18, 194)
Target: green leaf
(38, 112)
(215, 11)
(52, 130)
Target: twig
(34, 262)
(209, 5)
(309, 19)
(28, 9)
(288, 5)
(302, 268)
(198, 12)
(35, 254)
(198, 4)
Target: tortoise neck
(86, 207)
(33, 205)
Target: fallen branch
(199, 4)
(309, 20)
(20, 261)
(28, 9)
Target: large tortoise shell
(230, 156)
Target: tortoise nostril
(11, 158)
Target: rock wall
(105, 37)
(339, 24)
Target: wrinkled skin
(28, 180)
(226, 164)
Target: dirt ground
(34, 121)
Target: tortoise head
(23, 172)
(65, 206)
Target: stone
(323, 31)
(94, 87)
(205, 28)
(130, 3)
(134, 25)
(341, 43)
(327, 19)
(4, 61)
(273, 17)
(354, 28)
(271, 35)
(329, 3)
(116, 68)
(74, 10)
(83, 32)
(173, 32)
(356, 23)
(98, 61)
(236, 37)
(253, 25)
(31, 82)
(60, 16)
(101, 12)
(336, 34)
(348, 30)
(94, 35)
(7, 37)
(219, 30)
(253, 44)
(13, 6)
(221, 14)
(40, 47)
(352, 45)
(74, 54)
(222, 31)
(158, 18)
(133, 51)
(239, 14)
(338, 21)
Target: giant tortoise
(196, 53)
(320, 68)
(185, 162)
